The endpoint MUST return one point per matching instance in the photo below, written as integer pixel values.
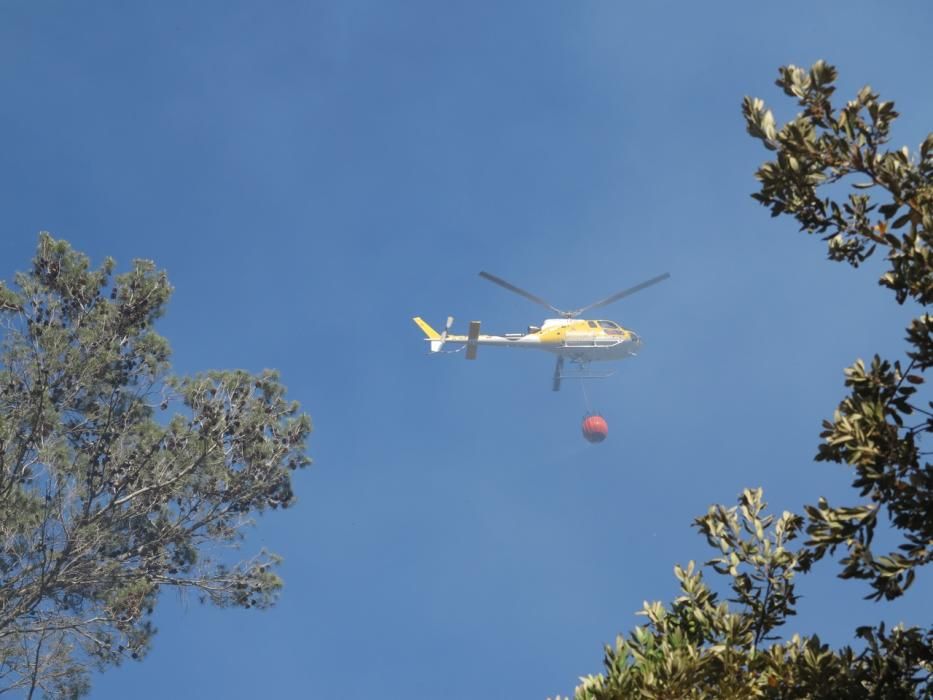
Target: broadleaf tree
(833, 174)
(117, 478)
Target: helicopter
(574, 340)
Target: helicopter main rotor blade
(521, 292)
(620, 295)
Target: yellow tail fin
(428, 331)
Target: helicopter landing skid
(580, 370)
(585, 374)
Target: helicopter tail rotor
(440, 343)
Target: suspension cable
(586, 398)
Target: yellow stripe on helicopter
(428, 331)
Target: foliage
(702, 647)
(872, 428)
(116, 478)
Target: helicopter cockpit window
(592, 324)
(608, 324)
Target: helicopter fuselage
(578, 340)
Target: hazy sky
(313, 174)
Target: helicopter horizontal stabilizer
(472, 345)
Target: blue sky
(313, 174)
